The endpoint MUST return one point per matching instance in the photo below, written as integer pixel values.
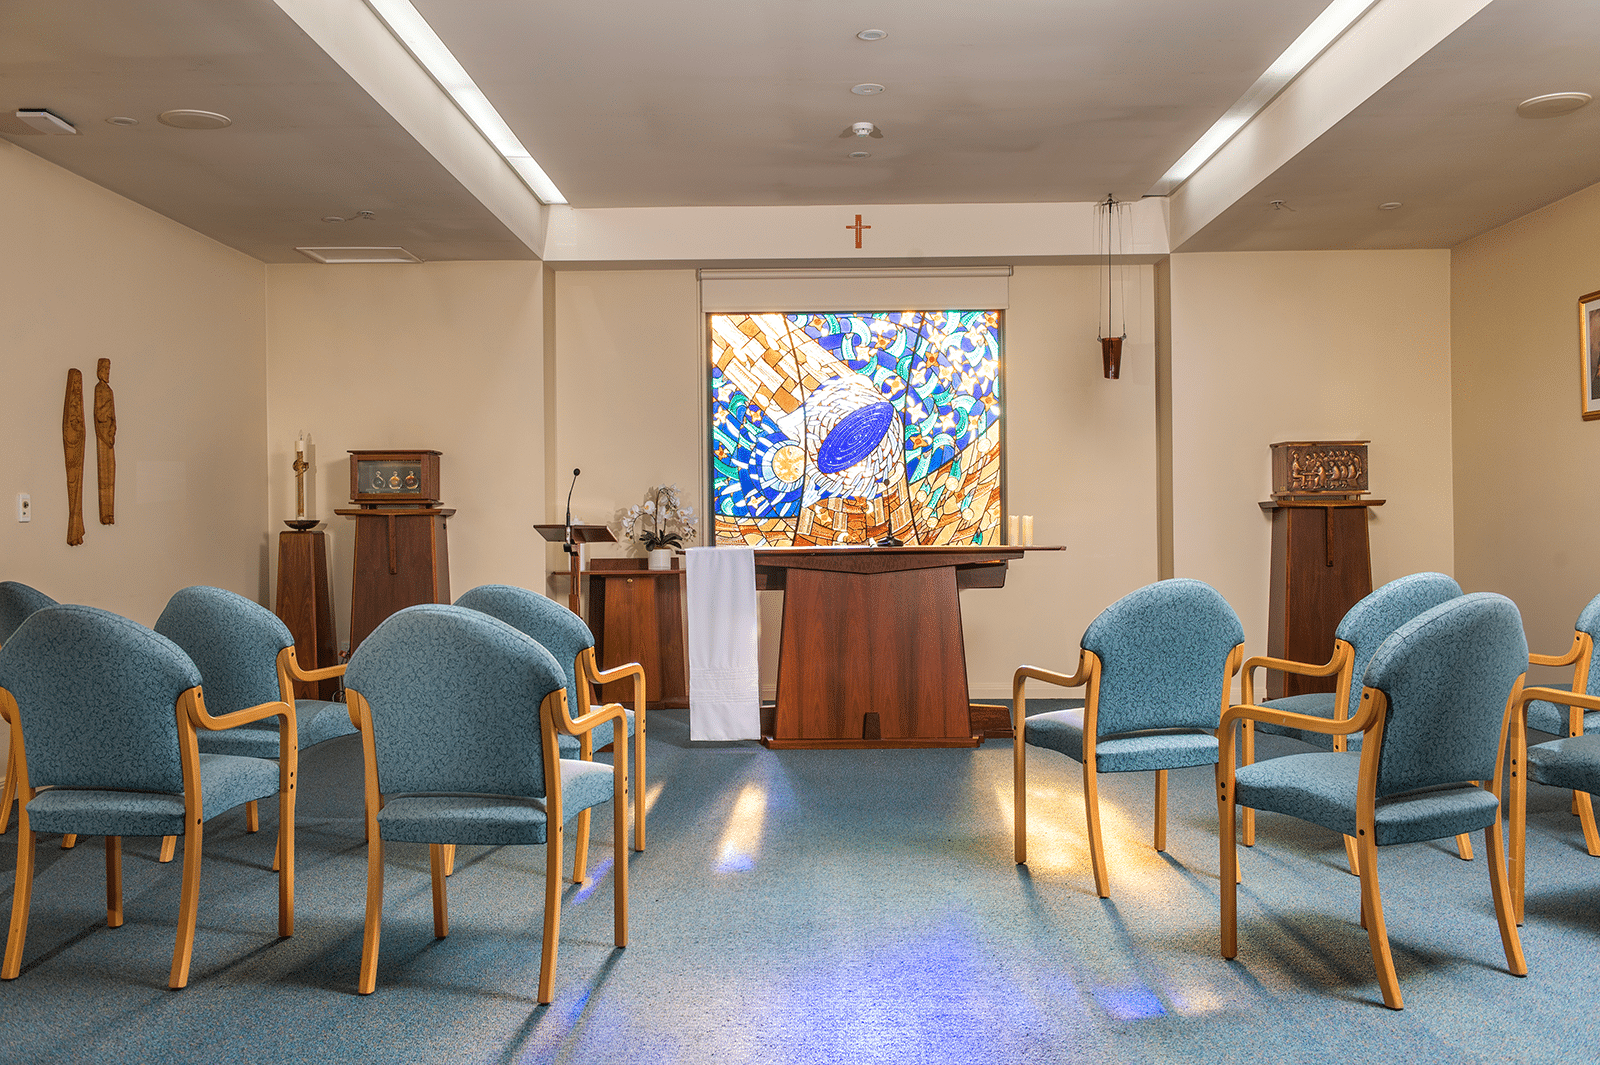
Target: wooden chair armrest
(587, 723)
(1050, 676)
(1310, 723)
(217, 723)
(1303, 669)
(1555, 695)
(325, 673)
(607, 676)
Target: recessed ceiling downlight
(867, 89)
(873, 35)
(334, 256)
(122, 120)
(184, 118)
(1552, 104)
(861, 155)
(1392, 205)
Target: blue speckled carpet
(816, 906)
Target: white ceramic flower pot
(661, 558)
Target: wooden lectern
(581, 534)
(305, 604)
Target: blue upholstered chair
(104, 715)
(1569, 720)
(1159, 664)
(247, 657)
(563, 634)
(1436, 709)
(1359, 635)
(17, 601)
(1572, 761)
(459, 714)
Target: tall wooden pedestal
(305, 604)
(402, 559)
(1321, 567)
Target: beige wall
(1525, 505)
(89, 275)
(1081, 452)
(448, 356)
(1270, 346)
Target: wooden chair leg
(1161, 809)
(283, 862)
(441, 905)
(1247, 756)
(619, 872)
(638, 783)
(1517, 814)
(1097, 857)
(580, 850)
(552, 914)
(449, 859)
(1019, 800)
(188, 907)
(1591, 838)
(169, 847)
(1464, 847)
(252, 816)
(1499, 885)
(1352, 857)
(21, 897)
(8, 792)
(368, 979)
(113, 881)
(69, 841)
(1227, 837)
(1377, 933)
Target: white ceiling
(741, 102)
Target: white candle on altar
(1011, 529)
(1027, 530)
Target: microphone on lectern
(568, 545)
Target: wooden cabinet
(401, 558)
(636, 615)
(1321, 567)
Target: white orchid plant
(661, 520)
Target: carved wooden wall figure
(72, 441)
(105, 434)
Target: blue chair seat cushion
(1573, 762)
(315, 719)
(1553, 717)
(226, 781)
(492, 820)
(1062, 730)
(1321, 788)
(602, 736)
(1312, 704)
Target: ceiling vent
(358, 255)
(45, 122)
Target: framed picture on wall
(1589, 352)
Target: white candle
(1027, 530)
(1011, 529)
(300, 444)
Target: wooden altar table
(872, 653)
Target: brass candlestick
(300, 522)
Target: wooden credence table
(872, 653)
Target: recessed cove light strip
(1326, 28)
(413, 31)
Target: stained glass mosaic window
(843, 428)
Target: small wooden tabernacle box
(1319, 469)
(404, 477)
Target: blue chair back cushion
(233, 640)
(1447, 674)
(455, 700)
(557, 629)
(17, 601)
(1367, 624)
(97, 696)
(1553, 717)
(1163, 650)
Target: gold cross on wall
(858, 227)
